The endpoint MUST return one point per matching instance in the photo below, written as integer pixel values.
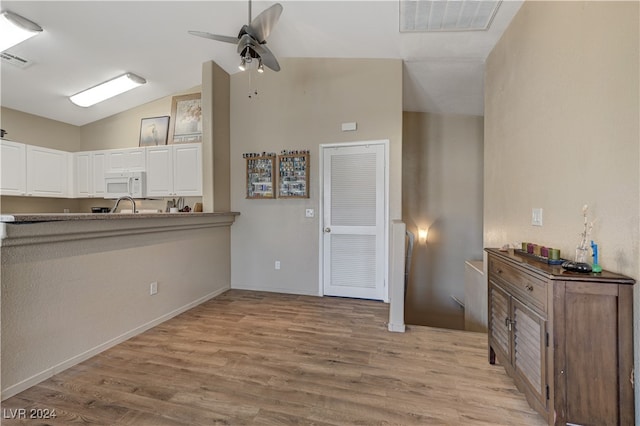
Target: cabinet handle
(509, 323)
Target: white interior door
(354, 221)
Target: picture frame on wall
(154, 131)
(186, 118)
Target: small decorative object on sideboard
(543, 254)
(580, 264)
(583, 247)
(576, 266)
(595, 267)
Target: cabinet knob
(499, 271)
(327, 229)
(529, 287)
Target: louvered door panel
(529, 348)
(500, 334)
(353, 261)
(353, 193)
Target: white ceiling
(87, 42)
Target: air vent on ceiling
(14, 60)
(446, 15)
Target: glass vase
(582, 255)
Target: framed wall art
(154, 131)
(186, 119)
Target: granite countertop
(57, 217)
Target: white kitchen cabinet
(13, 165)
(48, 172)
(99, 164)
(89, 174)
(82, 174)
(159, 171)
(174, 170)
(126, 160)
(187, 169)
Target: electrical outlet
(309, 213)
(277, 265)
(536, 217)
(153, 288)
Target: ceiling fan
(252, 37)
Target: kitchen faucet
(133, 203)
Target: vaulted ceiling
(88, 42)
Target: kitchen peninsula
(74, 285)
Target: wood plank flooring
(248, 358)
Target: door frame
(385, 143)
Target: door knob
(327, 229)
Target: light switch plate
(536, 217)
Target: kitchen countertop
(57, 217)
(41, 228)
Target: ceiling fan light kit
(252, 39)
(106, 90)
(15, 29)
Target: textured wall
(62, 300)
(562, 130)
(301, 107)
(441, 191)
(123, 130)
(39, 131)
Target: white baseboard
(308, 292)
(398, 328)
(51, 371)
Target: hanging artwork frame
(186, 119)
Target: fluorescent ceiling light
(107, 90)
(446, 15)
(15, 29)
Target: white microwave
(122, 184)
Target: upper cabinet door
(98, 164)
(88, 174)
(13, 168)
(129, 160)
(160, 171)
(47, 172)
(187, 169)
(82, 175)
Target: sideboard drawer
(530, 289)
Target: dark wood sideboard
(566, 338)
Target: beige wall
(122, 130)
(442, 158)
(301, 107)
(562, 130)
(39, 131)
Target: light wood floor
(262, 358)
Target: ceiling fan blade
(226, 39)
(268, 58)
(262, 24)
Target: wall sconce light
(422, 235)
(107, 90)
(15, 29)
